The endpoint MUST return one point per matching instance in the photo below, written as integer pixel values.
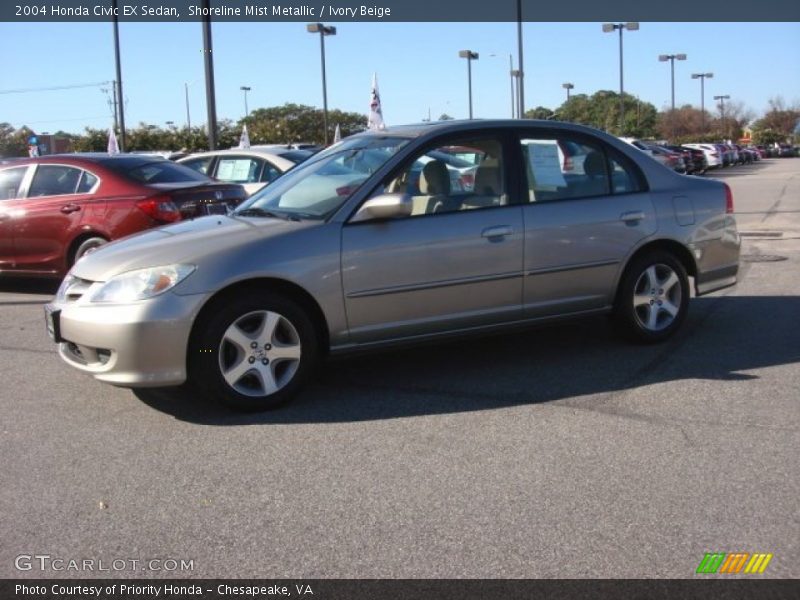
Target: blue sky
(417, 64)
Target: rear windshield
(297, 156)
(163, 172)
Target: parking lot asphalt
(557, 452)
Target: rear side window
(54, 180)
(270, 174)
(10, 180)
(559, 168)
(88, 181)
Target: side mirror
(384, 206)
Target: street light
(568, 87)
(323, 30)
(470, 56)
(609, 28)
(188, 116)
(245, 89)
(702, 77)
(672, 58)
(722, 110)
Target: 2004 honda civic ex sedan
(370, 243)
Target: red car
(54, 209)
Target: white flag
(375, 113)
(337, 134)
(113, 147)
(244, 141)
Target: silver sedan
(369, 244)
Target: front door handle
(630, 216)
(70, 208)
(497, 232)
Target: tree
(601, 110)
(445, 117)
(540, 112)
(780, 119)
(14, 142)
(293, 123)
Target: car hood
(187, 242)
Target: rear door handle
(70, 208)
(497, 232)
(630, 216)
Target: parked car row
(697, 158)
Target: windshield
(319, 186)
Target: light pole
(608, 28)
(672, 58)
(118, 86)
(323, 30)
(568, 87)
(722, 110)
(208, 61)
(188, 116)
(470, 56)
(520, 71)
(245, 89)
(702, 77)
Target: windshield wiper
(254, 211)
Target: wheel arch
(78, 240)
(678, 250)
(273, 285)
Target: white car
(711, 152)
(252, 168)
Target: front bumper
(142, 344)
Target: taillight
(160, 208)
(567, 164)
(467, 181)
(728, 199)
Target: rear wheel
(653, 298)
(254, 353)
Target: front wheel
(253, 353)
(653, 298)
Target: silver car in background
(333, 257)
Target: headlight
(140, 284)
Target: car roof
(252, 151)
(116, 161)
(454, 126)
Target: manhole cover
(756, 258)
(760, 234)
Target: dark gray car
(336, 256)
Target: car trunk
(196, 200)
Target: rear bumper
(143, 344)
(717, 279)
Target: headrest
(595, 164)
(434, 179)
(487, 178)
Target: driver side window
(458, 175)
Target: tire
(224, 365)
(86, 246)
(653, 298)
